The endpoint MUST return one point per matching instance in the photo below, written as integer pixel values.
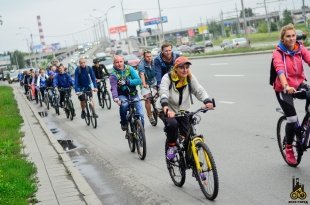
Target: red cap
(180, 61)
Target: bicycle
(193, 153)
(68, 104)
(90, 111)
(301, 140)
(46, 99)
(135, 133)
(104, 95)
(39, 97)
(153, 98)
(29, 93)
(55, 102)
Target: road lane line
(227, 102)
(217, 64)
(220, 75)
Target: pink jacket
(291, 66)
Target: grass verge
(17, 182)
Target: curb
(87, 193)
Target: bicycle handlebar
(132, 101)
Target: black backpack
(273, 74)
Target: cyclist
(164, 61)
(98, 70)
(175, 94)
(50, 84)
(124, 80)
(62, 80)
(27, 80)
(148, 78)
(41, 81)
(288, 62)
(84, 80)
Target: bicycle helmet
(96, 61)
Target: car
(155, 51)
(118, 52)
(240, 42)
(108, 62)
(132, 60)
(184, 48)
(197, 49)
(300, 35)
(177, 51)
(208, 43)
(137, 53)
(224, 43)
(13, 76)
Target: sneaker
(124, 127)
(83, 114)
(171, 152)
(152, 120)
(203, 176)
(289, 153)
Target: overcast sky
(63, 20)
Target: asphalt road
(241, 133)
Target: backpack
(189, 86)
(273, 74)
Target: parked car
(176, 51)
(208, 43)
(13, 76)
(132, 60)
(184, 48)
(240, 42)
(224, 43)
(300, 35)
(197, 49)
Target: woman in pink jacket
(288, 60)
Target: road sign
(202, 29)
(118, 29)
(153, 21)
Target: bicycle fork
(195, 154)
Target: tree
(287, 17)
(17, 58)
(262, 27)
(247, 12)
(214, 28)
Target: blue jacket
(62, 80)
(84, 79)
(162, 67)
(149, 71)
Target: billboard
(5, 60)
(154, 21)
(137, 16)
(118, 29)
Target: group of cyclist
(171, 76)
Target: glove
(122, 82)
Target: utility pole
(161, 23)
(222, 23)
(304, 13)
(238, 21)
(244, 19)
(125, 25)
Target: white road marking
(228, 75)
(218, 64)
(227, 102)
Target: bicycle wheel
(71, 109)
(107, 99)
(282, 142)
(101, 99)
(131, 140)
(66, 108)
(176, 168)
(93, 119)
(207, 177)
(29, 95)
(87, 116)
(47, 102)
(140, 140)
(40, 98)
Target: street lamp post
(161, 23)
(106, 19)
(125, 25)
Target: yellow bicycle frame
(194, 141)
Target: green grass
(17, 182)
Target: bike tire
(47, 102)
(282, 142)
(40, 99)
(140, 140)
(29, 95)
(107, 99)
(67, 110)
(210, 185)
(131, 141)
(177, 168)
(101, 99)
(93, 119)
(155, 115)
(87, 117)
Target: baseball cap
(180, 61)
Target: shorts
(146, 91)
(82, 97)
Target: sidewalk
(59, 181)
